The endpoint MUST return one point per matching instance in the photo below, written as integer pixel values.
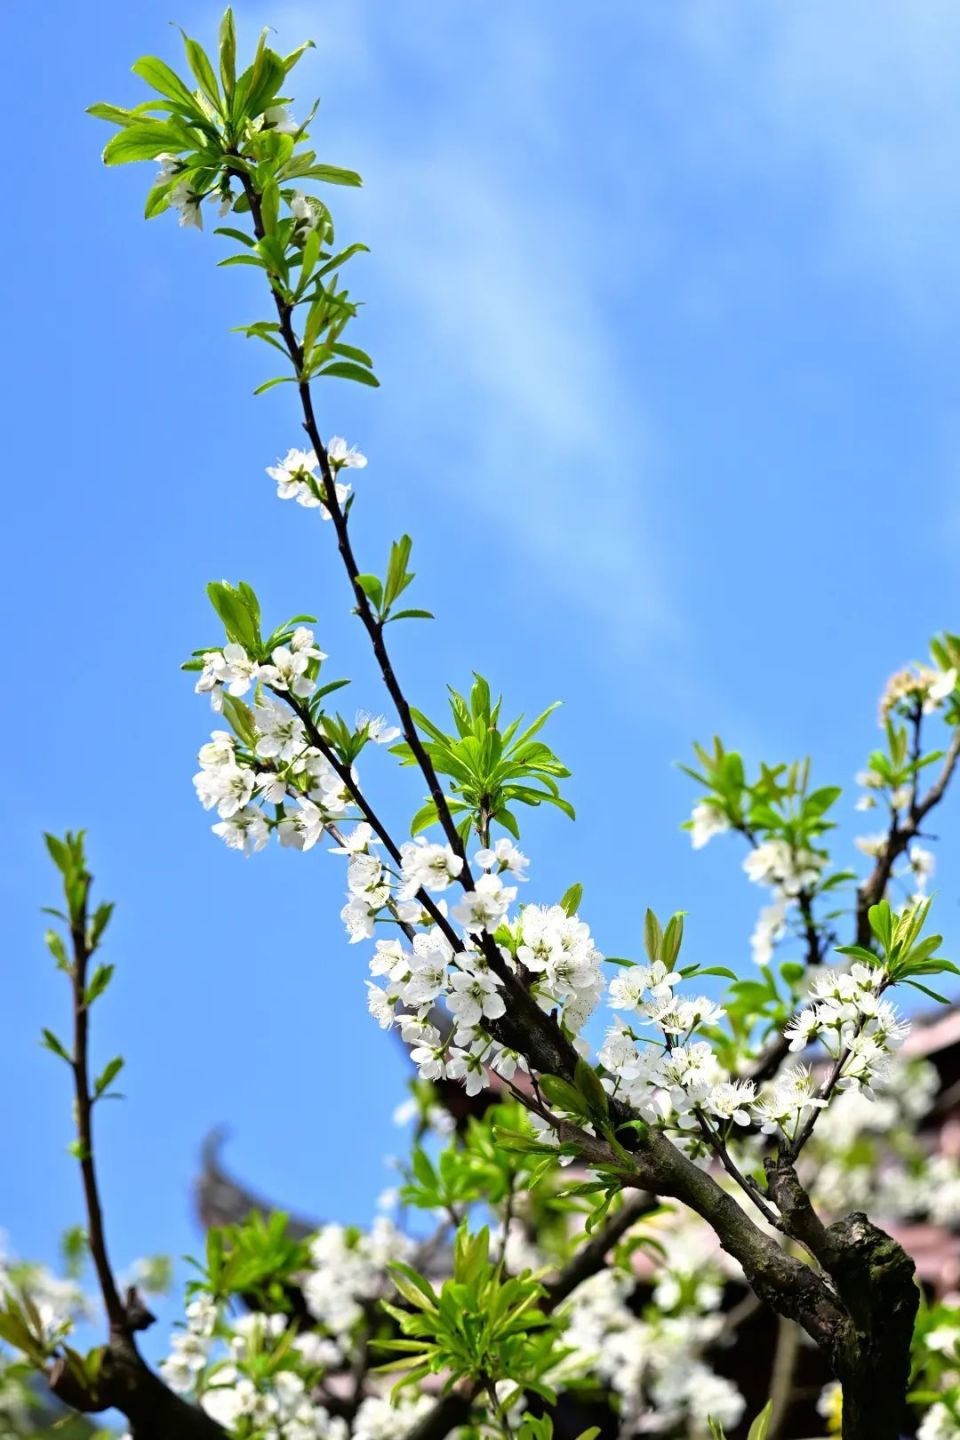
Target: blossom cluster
(417, 980)
(349, 1269)
(232, 671)
(60, 1302)
(654, 1362)
(297, 475)
(550, 948)
(282, 770)
(214, 1355)
(788, 870)
(917, 685)
(666, 1075)
(847, 1016)
(673, 1079)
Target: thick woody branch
(835, 1315)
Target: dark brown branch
(789, 1286)
(372, 625)
(872, 890)
(123, 1381)
(719, 1149)
(83, 1102)
(899, 837)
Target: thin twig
(96, 1234)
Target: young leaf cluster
(490, 769)
(227, 137)
(903, 953)
(481, 1325)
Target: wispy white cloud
(493, 297)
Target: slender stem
(826, 1090)
(116, 1312)
(719, 1148)
(319, 742)
(899, 837)
(872, 889)
(371, 623)
(916, 753)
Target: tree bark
(875, 1277)
(126, 1383)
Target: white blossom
(475, 995)
(486, 905)
(247, 830)
(504, 857)
(377, 728)
(426, 866)
(706, 821)
(342, 457)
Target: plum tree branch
(371, 623)
(83, 1103)
(899, 837)
(122, 1380)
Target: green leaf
(589, 1084)
(263, 83)
(570, 901)
(858, 952)
(290, 60)
(113, 113)
(398, 576)
(347, 370)
(59, 853)
(425, 816)
(57, 948)
(652, 935)
(372, 588)
(142, 142)
(336, 262)
(158, 200)
(881, 922)
(199, 63)
(228, 53)
(562, 1095)
(332, 175)
(308, 259)
(50, 1042)
(672, 940)
(158, 74)
(98, 983)
(109, 1074)
(940, 999)
(758, 1430)
(277, 380)
(413, 1286)
(237, 614)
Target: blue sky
(665, 301)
